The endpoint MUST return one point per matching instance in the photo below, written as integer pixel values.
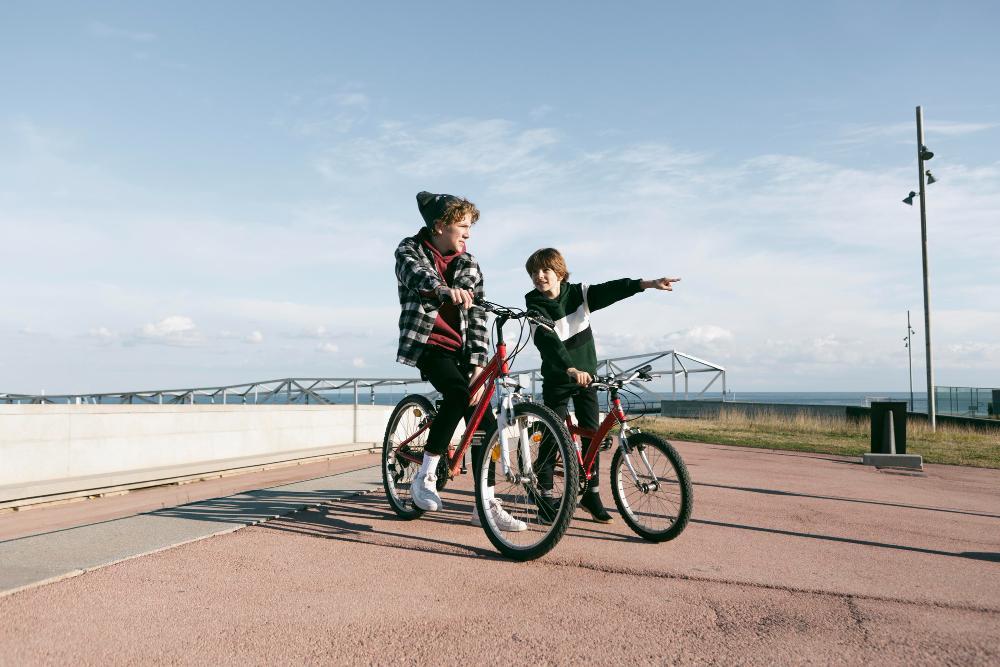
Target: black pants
(588, 415)
(449, 374)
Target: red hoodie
(448, 323)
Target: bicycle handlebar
(617, 381)
(510, 313)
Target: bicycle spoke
(406, 425)
(659, 504)
(536, 488)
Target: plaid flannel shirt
(417, 280)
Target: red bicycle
(521, 428)
(649, 480)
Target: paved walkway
(47, 544)
(789, 558)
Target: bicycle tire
(656, 515)
(547, 512)
(409, 415)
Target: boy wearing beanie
(569, 358)
(444, 334)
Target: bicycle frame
(615, 416)
(496, 368)
(496, 375)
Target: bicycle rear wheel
(540, 490)
(658, 506)
(411, 418)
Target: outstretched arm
(659, 283)
(603, 295)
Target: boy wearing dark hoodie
(569, 358)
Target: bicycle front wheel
(657, 506)
(403, 450)
(529, 509)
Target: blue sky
(199, 194)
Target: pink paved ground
(790, 558)
(56, 516)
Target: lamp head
(925, 153)
(909, 198)
(930, 177)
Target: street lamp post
(922, 155)
(909, 348)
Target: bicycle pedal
(607, 444)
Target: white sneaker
(424, 492)
(503, 520)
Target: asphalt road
(789, 558)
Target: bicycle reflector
(418, 412)
(536, 437)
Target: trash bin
(881, 413)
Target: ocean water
(954, 405)
(854, 398)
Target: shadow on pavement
(982, 555)
(775, 492)
(974, 555)
(251, 507)
(355, 519)
(348, 521)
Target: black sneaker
(592, 503)
(548, 507)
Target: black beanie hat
(432, 206)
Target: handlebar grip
(645, 369)
(541, 319)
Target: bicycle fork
(527, 474)
(645, 487)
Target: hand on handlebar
(582, 378)
(462, 298)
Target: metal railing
(681, 364)
(288, 391)
(331, 391)
(981, 402)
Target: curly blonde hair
(457, 209)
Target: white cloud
(318, 331)
(358, 362)
(796, 268)
(102, 335)
(492, 147)
(101, 29)
(541, 111)
(867, 133)
(703, 335)
(354, 99)
(254, 338)
(173, 330)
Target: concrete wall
(711, 410)
(47, 449)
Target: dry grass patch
(951, 444)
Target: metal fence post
(673, 374)
(355, 411)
